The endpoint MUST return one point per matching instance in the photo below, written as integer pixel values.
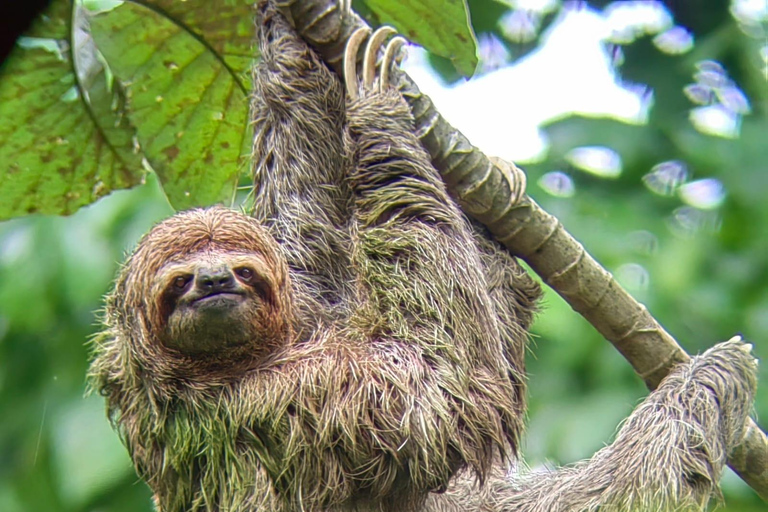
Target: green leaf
(633, 142)
(440, 26)
(226, 27)
(187, 101)
(88, 456)
(65, 140)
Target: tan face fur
(207, 285)
(207, 300)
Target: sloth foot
(356, 86)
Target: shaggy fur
(668, 456)
(385, 357)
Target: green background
(706, 279)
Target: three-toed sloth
(357, 344)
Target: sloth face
(210, 301)
(210, 283)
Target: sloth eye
(245, 273)
(181, 282)
(255, 281)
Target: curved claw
(391, 54)
(350, 60)
(345, 7)
(371, 52)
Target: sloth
(357, 344)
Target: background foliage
(701, 267)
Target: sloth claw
(371, 52)
(350, 60)
(392, 54)
(345, 7)
(355, 84)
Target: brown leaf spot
(171, 152)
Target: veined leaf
(440, 26)
(189, 108)
(65, 142)
(70, 133)
(228, 27)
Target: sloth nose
(212, 280)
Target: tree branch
(485, 190)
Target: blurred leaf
(189, 109)
(752, 50)
(440, 26)
(9, 500)
(566, 427)
(485, 14)
(57, 453)
(88, 455)
(65, 140)
(634, 143)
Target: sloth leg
(299, 167)
(419, 271)
(412, 241)
(668, 455)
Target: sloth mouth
(219, 297)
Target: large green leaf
(64, 139)
(189, 104)
(96, 88)
(226, 27)
(440, 26)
